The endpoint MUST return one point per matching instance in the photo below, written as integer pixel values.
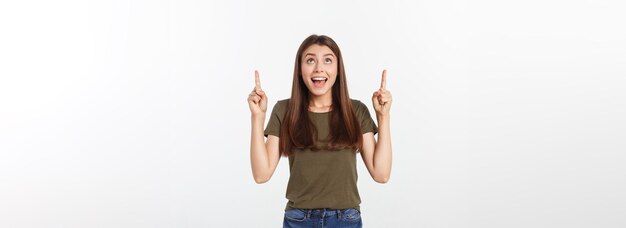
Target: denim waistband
(322, 212)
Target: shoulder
(281, 107)
(282, 103)
(358, 105)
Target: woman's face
(319, 69)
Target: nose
(318, 68)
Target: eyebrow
(331, 54)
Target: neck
(321, 103)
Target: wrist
(382, 115)
(382, 118)
(258, 116)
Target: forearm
(259, 157)
(382, 153)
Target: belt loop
(338, 213)
(308, 213)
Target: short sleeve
(365, 119)
(273, 126)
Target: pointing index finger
(257, 81)
(383, 81)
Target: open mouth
(319, 82)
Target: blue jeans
(322, 218)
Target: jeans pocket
(295, 215)
(350, 215)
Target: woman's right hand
(257, 100)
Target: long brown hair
(297, 129)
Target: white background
(134, 113)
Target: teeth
(318, 79)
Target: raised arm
(264, 155)
(376, 154)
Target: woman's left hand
(382, 98)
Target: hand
(382, 97)
(257, 100)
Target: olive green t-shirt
(322, 178)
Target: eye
(328, 61)
(310, 60)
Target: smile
(319, 82)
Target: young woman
(320, 129)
